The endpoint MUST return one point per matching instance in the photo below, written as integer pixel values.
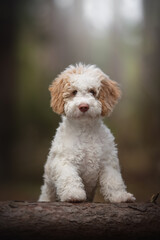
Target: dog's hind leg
(48, 193)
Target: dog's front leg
(112, 185)
(69, 186)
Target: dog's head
(83, 91)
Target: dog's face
(83, 91)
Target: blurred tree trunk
(151, 72)
(8, 78)
(23, 220)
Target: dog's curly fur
(83, 150)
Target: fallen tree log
(32, 220)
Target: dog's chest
(89, 147)
(84, 145)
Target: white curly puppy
(83, 150)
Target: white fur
(83, 151)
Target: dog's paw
(74, 195)
(122, 197)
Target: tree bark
(24, 220)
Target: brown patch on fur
(109, 95)
(59, 91)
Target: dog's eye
(92, 92)
(74, 92)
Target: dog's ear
(109, 94)
(57, 90)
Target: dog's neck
(83, 123)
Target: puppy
(83, 151)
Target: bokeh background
(39, 38)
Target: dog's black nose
(83, 107)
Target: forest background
(38, 40)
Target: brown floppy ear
(57, 89)
(109, 95)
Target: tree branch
(32, 220)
